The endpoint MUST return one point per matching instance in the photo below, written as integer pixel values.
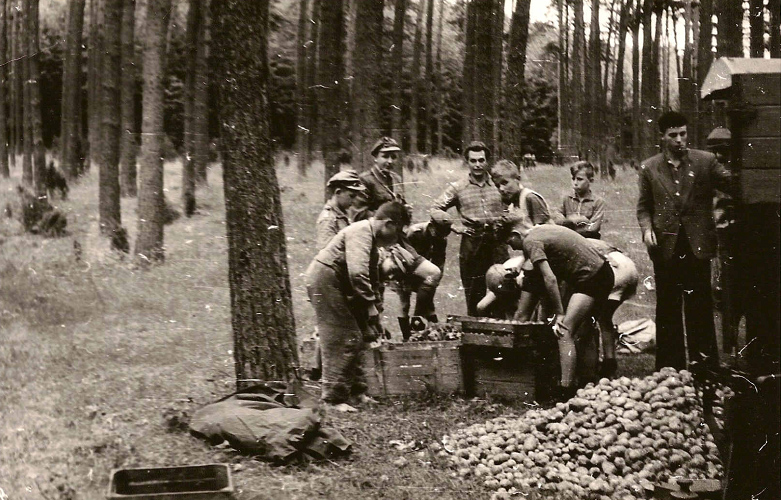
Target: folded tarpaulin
(270, 420)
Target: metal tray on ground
(189, 482)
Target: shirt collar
(386, 176)
(338, 211)
(486, 180)
(589, 196)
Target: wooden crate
(394, 369)
(522, 366)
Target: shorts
(625, 276)
(598, 286)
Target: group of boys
(565, 274)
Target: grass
(94, 350)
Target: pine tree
(261, 306)
(70, 128)
(128, 144)
(151, 202)
(108, 191)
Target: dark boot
(608, 368)
(404, 327)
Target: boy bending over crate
(558, 253)
(343, 286)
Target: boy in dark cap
(344, 187)
(480, 206)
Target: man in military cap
(480, 206)
(382, 184)
(344, 187)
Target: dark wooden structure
(751, 90)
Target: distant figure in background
(583, 207)
(675, 213)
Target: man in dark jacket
(675, 212)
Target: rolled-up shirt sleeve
(447, 200)
(358, 246)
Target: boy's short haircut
(671, 119)
(394, 211)
(584, 166)
(506, 169)
(477, 146)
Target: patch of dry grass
(93, 350)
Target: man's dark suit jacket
(666, 207)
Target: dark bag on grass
(272, 421)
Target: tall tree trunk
(730, 39)
(650, 73)
(36, 125)
(201, 97)
(438, 87)
(397, 62)
(578, 74)
(128, 145)
(70, 133)
(665, 63)
(705, 117)
(687, 87)
(367, 64)
(302, 127)
(188, 162)
(13, 77)
(468, 74)
(20, 73)
(261, 304)
(417, 48)
(4, 171)
(27, 155)
(331, 86)
(617, 95)
(497, 52)
(756, 28)
(774, 6)
(314, 134)
(95, 92)
(605, 55)
(516, 84)
(564, 101)
(151, 201)
(108, 191)
(428, 136)
(593, 85)
(637, 127)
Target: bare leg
(578, 310)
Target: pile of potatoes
(604, 443)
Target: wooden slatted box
(509, 359)
(412, 367)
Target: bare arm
(551, 286)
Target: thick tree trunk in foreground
(70, 133)
(108, 206)
(151, 201)
(128, 147)
(331, 90)
(367, 64)
(261, 306)
(647, 139)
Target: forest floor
(94, 351)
